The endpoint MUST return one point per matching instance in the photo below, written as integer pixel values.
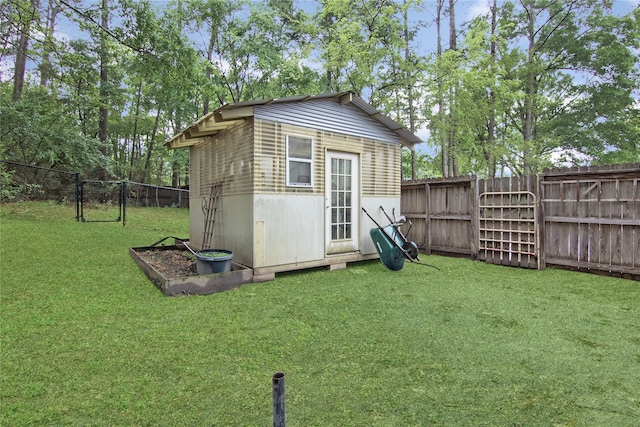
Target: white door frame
(342, 201)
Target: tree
(532, 80)
(508, 93)
(253, 50)
(601, 121)
(40, 129)
(368, 47)
(361, 45)
(104, 74)
(22, 16)
(438, 125)
(48, 43)
(402, 75)
(419, 165)
(577, 75)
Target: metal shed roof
(231, 114)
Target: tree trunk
(491, 127)
(409, 88)
(212, 41)
(151, 142)
(21, 54)
(329, 81)
(453, 126)
(530, 91)
(45, 67)
(440, 85)
(175, 177)
(104, 80)
(135, 141)
(21, 64)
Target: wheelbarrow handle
(391, 239)
(396, 225)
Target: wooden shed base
(191, 284)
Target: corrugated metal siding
(380, 162)
(270, 159)
(328, 116)
(380, 166)
(226, 157)
(229, 156)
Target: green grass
(86, 339)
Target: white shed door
(342, 202)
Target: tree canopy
(100, 84)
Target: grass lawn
(87, 339)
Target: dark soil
(173, 264)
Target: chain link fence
(19, 181)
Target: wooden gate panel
(508, 218)
(508, 228)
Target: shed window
(299, 161)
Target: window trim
(289, 159)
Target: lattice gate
(508, 228)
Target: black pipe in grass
(279, 416)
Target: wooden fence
(584, 218)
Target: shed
(293, 174)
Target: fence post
(474, 202)
(124, 202)
(77, 196)
(427, 219)
(542, 262)
(279, 416)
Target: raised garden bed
(173, 270)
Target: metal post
(82, 201)
(77, 196)
(124, 202)
(279, 416)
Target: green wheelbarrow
(392, 246)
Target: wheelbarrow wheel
(411, 248)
